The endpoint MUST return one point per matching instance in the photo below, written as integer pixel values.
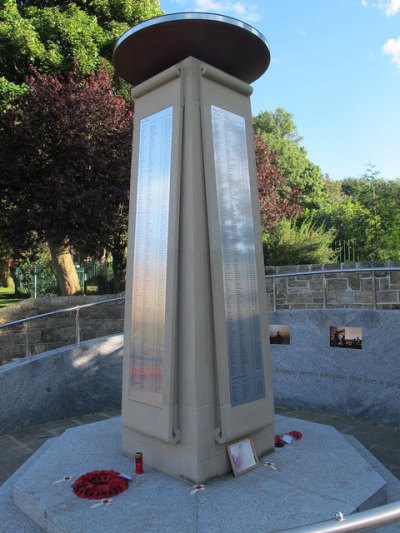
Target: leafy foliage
(365, 211)
(106, 11)
(56, 35)
(277, 199)
(64, 163)
(279, 130)
(46, 280)
(9, 91)
(298, 245)
(382, 200)
(279, 124)
(290, 187)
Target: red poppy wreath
(99, 484)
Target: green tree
(64, 169)
(299, 244)
(381, 198)
(364, 211)
(277, 199)
(351, 222)
(279, 123)
(280, 132)
(5, 277)
(56, 35)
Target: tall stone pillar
(196, 371)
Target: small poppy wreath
(297, 435)
(280, 443)
(99, 484)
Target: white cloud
(392, 48)
(390, 7)
(208, 5)
(243, 10)
(393, 8)
(239, 8)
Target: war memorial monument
(196, 363)
(197, 370)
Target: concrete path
(382, 441)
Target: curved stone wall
(61, 383)
(307, 373)
(362, 383)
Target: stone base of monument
(317, 476)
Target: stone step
(12, 519)
(315, 477)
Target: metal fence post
(35, 281)
(77, 327)
(323, 291)
(274, 293)
(374, 289)
(27, 348)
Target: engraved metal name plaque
(242, 313)
(150, 258)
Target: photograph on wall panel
(279, 334)
(345, 337)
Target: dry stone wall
(60, 330)
(358, 290)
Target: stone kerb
(360, 290)
(59, 330)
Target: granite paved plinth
(317, 476)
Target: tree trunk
(119, 268)
(6, 279)
(67, 276)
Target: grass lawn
(7, 297)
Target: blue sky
(336, 67)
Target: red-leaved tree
(277, 199)
(64, 169)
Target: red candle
(139, 463)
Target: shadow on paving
(381, 441)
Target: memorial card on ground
(242, 455)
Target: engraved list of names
(242, 315)
(150, 258)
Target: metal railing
(327, 272)
(272, 277)
(76, 308)
(363, 521)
